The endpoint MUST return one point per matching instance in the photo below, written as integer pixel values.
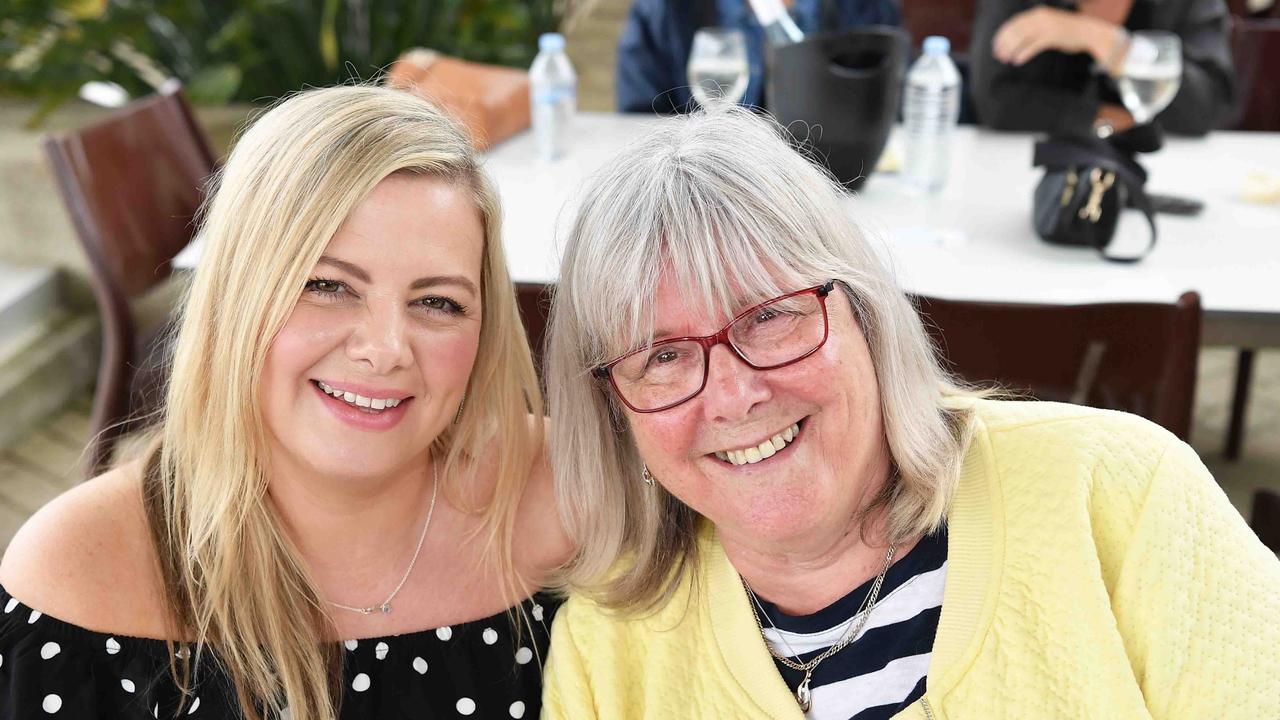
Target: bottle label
(552, 95)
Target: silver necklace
(803, 695)
(385, 607)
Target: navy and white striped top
(883, 670)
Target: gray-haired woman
(785, 506)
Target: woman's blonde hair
(722, 202)
(235, 582)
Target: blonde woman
(785, 508)
(346, 507)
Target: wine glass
(1151, 73)
(718, 69)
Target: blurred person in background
(347, 453)
(653, 52)
(785, 507)
(1050, 66)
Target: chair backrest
(132, 184)
(1265, 517)
(1255, 46)
(1136, 357)
(534, 300)
(953, 19)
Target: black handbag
(1087, 183)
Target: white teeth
(359, 400)
(764, 450)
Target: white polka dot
(49, 649)
(361, 683)
(194, 706)
(517, 709)
(537, 615)
(182, 654)
(35, 615)
(51, 704)
(155, 711)
(420, 665)
(490, 636)
(127, 684)
(351, 644)
(380, 651)
(466, 706)
(444, 633)
(524, 655)
(9, 606)
(1, 660)
(113, 646)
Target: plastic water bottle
(778, 26)
(930, 114)
(553, 96)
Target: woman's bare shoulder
(87, 558)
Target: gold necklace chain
(803, 695)
(385, 606)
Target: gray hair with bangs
(720, 200)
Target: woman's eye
(766, 315)
(436, 303)
(325, 287)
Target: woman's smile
(775, 448)
(378, 410)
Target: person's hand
(1031, 32)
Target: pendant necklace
(385, 606)
(803, 694)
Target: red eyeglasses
(773, 334)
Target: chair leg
(1239, 403)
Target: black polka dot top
(479, 669)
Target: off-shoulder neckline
(65, 628)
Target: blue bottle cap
(550, 42)
(937, 45)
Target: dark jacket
(1060, 93)
(655, 43)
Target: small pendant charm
(803, 696)
(385, 608)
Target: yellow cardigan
(1095, 570)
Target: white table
(974, 240)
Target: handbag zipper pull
(1092, 210)
(1069, 191)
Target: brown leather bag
(492, 101)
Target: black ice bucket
(841, 91)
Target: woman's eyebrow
(422, 282)
(345, 266)
(433, 280)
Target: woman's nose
(380, 339)
(733, 388)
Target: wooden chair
(1265, 518)
(534, 300)
(1136, 357)
(1255, 47)
(132, 184)
(952, 19)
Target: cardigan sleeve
(1197, 600)
(566, 691)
